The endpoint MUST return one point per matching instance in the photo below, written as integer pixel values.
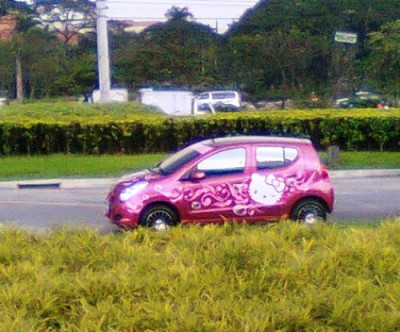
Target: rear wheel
(160, 217)
(309, 211)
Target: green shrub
(121, 129)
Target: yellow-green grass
(285, 276)
(59, 165)
(59, 112)
(66, 112)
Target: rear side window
(224, 162)
(223, 95)
(274, 156)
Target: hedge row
(161, 134)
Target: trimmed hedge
(150, 132)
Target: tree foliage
(68, 18)
(301, 35)
(175, 52)
(384, 58)
(279, 48)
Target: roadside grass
(59, 165)
(366, 159)
(53, 166)
(284, 276)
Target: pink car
(239, 179)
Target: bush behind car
(47, 129)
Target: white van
(213, 101)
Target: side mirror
(197, 175)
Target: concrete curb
(63, 183)
(361, 173)
(108, 182)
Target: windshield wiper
(157, 170)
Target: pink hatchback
(245, 178)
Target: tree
(176, 52)
(384, 58)
(7, 66)
(318, 20)
(177, 14)
(24, 21)
(67, 18)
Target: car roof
(254, 140)
(219, 91)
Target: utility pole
(103, 57)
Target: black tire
(159, 216)
(309, 211)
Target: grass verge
(52, 166)
(285, 277)
(366, 159)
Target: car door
(270, 184)
(221, 192)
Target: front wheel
(309, 211)
(160, 217)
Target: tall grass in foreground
(283, 276)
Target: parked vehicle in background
(364, 99)
(172, 102)
(185, 102)
(244, 178)
(217, 101)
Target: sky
(218, 13)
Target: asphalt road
(357, 198)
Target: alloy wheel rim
(159, 220)
(310, 218)
(160, 226)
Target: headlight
(129, 192)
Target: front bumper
(120, 214)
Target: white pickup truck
(182, 102)
(214, 101)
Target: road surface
(364, 199)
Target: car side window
(203, 96)
(274, 156)
(224, 162)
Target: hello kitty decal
(266, 190)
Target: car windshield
(175, 161)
